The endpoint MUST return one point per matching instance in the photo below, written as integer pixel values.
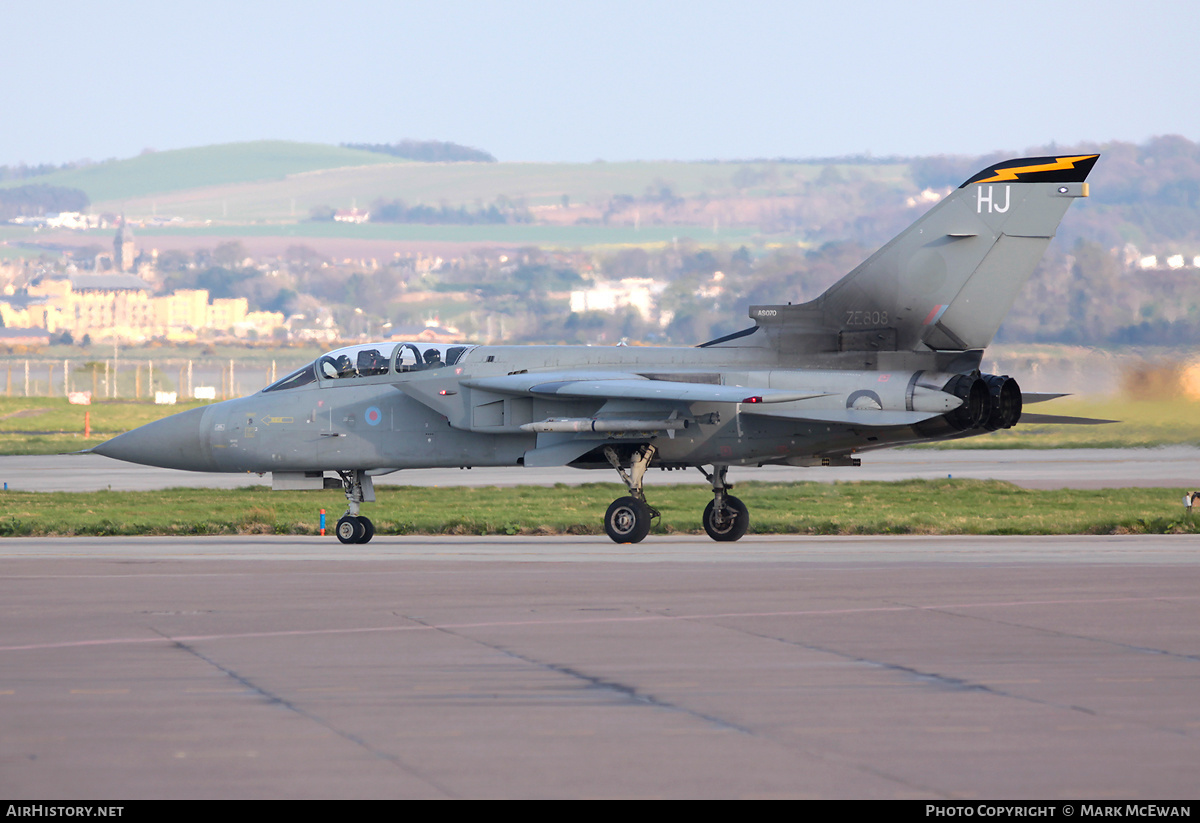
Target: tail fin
(947, 281)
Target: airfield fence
(139, 378)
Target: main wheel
(350, 529)
(368, 530)
(627, 520)
(732, 522)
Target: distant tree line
(24, 172)
(397, 211)
(37, 199)
(427, 151)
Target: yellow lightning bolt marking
(1062, 163)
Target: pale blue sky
(552, 81)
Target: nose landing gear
(353, 527)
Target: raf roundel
(373, 416)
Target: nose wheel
(351, 529)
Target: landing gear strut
(725, 517)
(352, 527)
(628, 518)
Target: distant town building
(24, 337)
(72, 220)
(120, 306)
(351, 216)
(432, 332)
(124, 250)
(638, 293)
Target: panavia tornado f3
(890, 354)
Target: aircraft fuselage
(434, 417)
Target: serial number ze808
(866, 318)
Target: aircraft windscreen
(411, 357)
(300, 377)
(356, 361)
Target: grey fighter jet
(890, 354)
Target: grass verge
(905, 507)
(50, 425)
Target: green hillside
(155, 173)
(521, 234)
(471, 184)
(277, 181)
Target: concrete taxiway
(1169, 467)
(946, 667)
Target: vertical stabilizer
(947, 281)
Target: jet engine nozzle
(976, 404)
(1006, 403)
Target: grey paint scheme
(861, 367)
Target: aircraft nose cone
(171, 443)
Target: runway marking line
(197, 638)
(1111, 727)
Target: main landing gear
(628, 518)
(353, 527)
(725, 517)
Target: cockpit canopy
(372, 360)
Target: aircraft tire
(350, 529)
(627, 520)
(733, 528)
(368, 530)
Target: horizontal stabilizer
(1060, 420)
(1028, 397)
